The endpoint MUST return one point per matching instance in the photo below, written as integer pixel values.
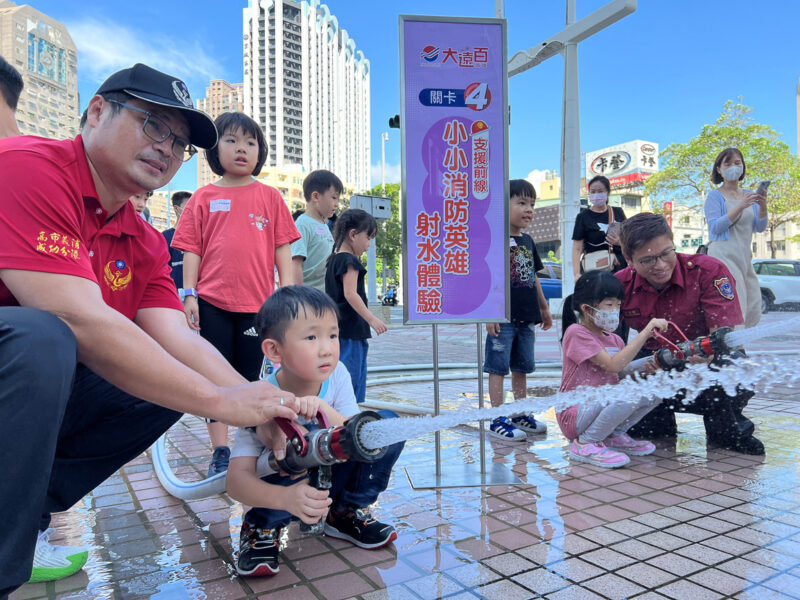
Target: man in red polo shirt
(96, 360)
(697, 293)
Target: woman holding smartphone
(733, 215)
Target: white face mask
(607, 320)
(732, 173)
(599, 198)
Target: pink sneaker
(597, 454)
(625, 443)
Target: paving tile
(703, 554)
(613, 587)
(541, 581)
(392, 572)
(434, 586)
(762, 593)
(320, 566)
(300, 592)
(689, 532)
(286, 577)
(646, 575)
(543, 554)
(638, 549)
(343, 585)
(676, 564)
(473, 575)
(753, 572)
(720, 581)
(573, 544)
(784, 583)
(575, 569)
(681, 590)
(507, 590)
(607, 558)
(393, 592)
(663, 540)
(574, 592)
(775, 560)
(509, 564)
(729, 545)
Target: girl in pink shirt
(594, 356)
(234, 233)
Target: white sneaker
(503, 428)
(56, 562)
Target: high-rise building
(42, 50)
(308, 87)
(221, 97)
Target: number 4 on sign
(477, 96)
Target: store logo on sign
(610, 163)
(648, 149)
(430, 53)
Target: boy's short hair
(521, 187)
(11, 83)
(236, 121)
(639, 229)
(179, 198)
(284, 306)
(320, 181)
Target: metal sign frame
(404, 149)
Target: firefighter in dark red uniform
(697, 293)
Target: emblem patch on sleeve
(724, 287)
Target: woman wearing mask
(733, 214)
(595, 238)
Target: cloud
(536, 177)
(105, 46)
(392, 173)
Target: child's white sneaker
(503, 428)
(597, 454)
(528, 423)
(625, 443)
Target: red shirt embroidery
(51, 221)
(690, 299)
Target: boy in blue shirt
(298, 328)
(510, 345)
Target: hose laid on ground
(180, 489)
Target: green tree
(389, 244)
(685, 172)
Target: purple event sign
(455, 169)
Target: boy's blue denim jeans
(353, 484)
(512, 349)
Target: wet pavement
(687, 522)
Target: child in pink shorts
(594, 356)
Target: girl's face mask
(732, 173)
(607, 320)
(598, 198)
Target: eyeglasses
(650, 261)
(158, 131)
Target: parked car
(780, 282)
(550, 278)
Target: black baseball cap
(145, 83)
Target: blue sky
(659, 75)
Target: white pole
(570, 157)
(384, 139)
(498, 9)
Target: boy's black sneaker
(258, 551)
(356, 525)
(219, 461)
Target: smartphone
(613, 228)
(762, 188)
